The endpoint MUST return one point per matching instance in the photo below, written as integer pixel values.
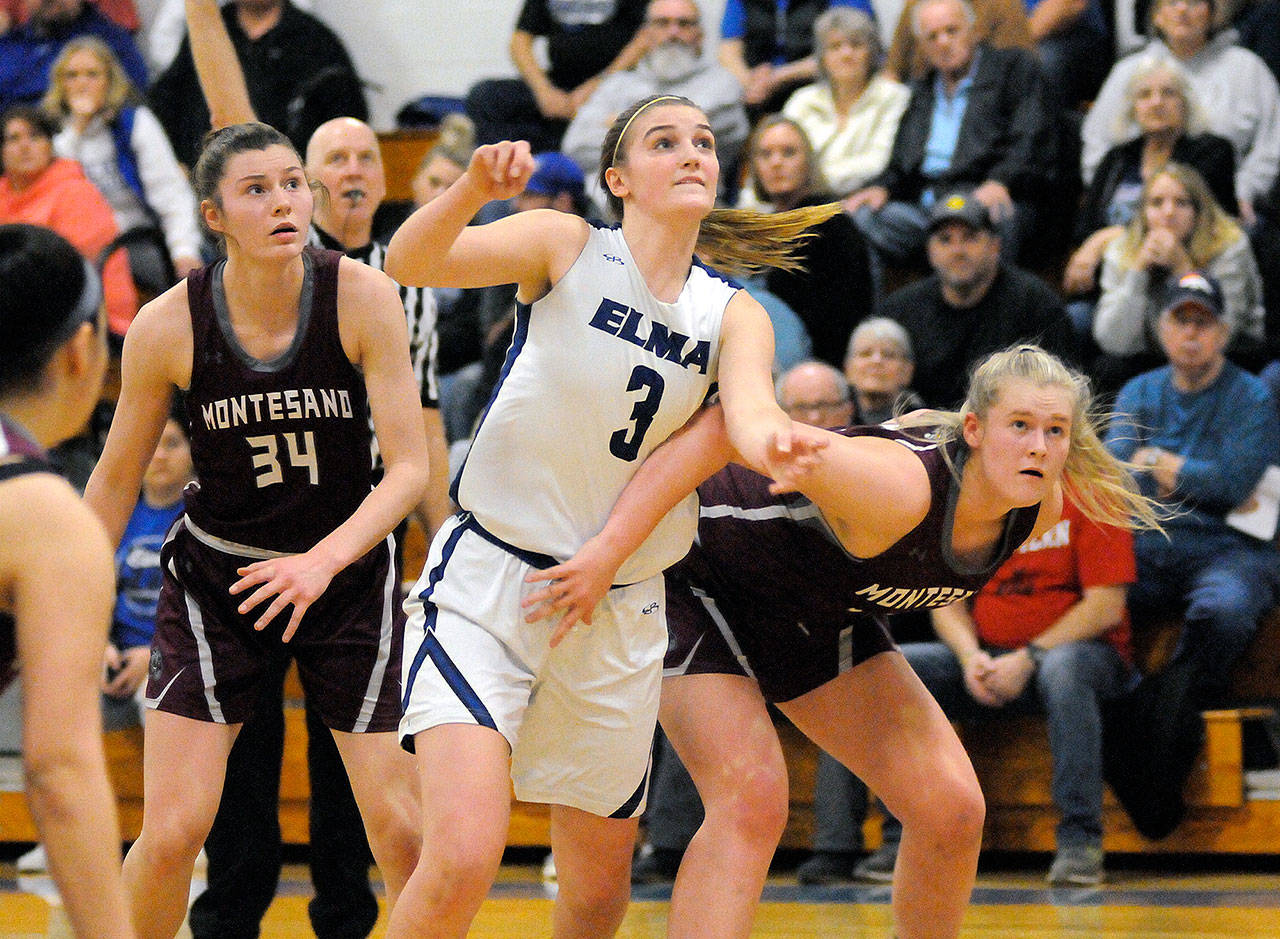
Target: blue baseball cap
(553, 174)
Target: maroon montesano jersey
(19, 456)
(771, 560)
(281, 448)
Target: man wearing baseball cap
(1203, 430)
(974, 303)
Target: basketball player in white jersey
(621, 335)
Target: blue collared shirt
(944, 127)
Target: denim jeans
(1072, 681)
(1222, 583)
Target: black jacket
(1212, 156)
(298, 75)
(948, 341)
(1007, 134)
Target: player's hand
(572, 590)
(501, 170)
(792, 455)
(296, 579)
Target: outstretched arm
(221, 77)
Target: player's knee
(173, 838)
(755, 804)
(953, 814)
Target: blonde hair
(1100, 484)
(736, 241)
(120, 90)
(1213, 232)
(1193, 117)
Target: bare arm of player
(372, 327)
(221, 77)
(156, 359)
(759, 429)
(672, 471)
(57, 569)
(436, 246)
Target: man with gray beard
(673, 64)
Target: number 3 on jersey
(625, 443)
(266, 457)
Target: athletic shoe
(34, 861)
(1079, 864)
(826, 867)
(877, 866)
(656, 865)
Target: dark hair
(43, 125)
(221, 145)
(46, 291)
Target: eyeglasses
(680, 22)
(800, 407)
(889, 355)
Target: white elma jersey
(599, 373)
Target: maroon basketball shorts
(788, 657)
(208, 662)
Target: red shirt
(1047, 576)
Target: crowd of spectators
(1035, 171)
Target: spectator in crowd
(1205, 430)
(1180, 228)
(879, 367)
(673, 63)
(297, 71)
(973, 304)
(55, 570)
(1258, 32)
(447, 159)
(850, 113)
(585, 44)
(1048, 634)
(125, 153)
(768, 46)
(978, 119)
(1172, 126)
(1073, 41)
(832, 290)
(40, 188)
(816, 393)
(998, 23)
(27, 51)
(1238, 92)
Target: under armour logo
(615, 259)
(651, 608)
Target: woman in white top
(122, 147)
(1178, 228)
(620, 335)
(851, 114)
